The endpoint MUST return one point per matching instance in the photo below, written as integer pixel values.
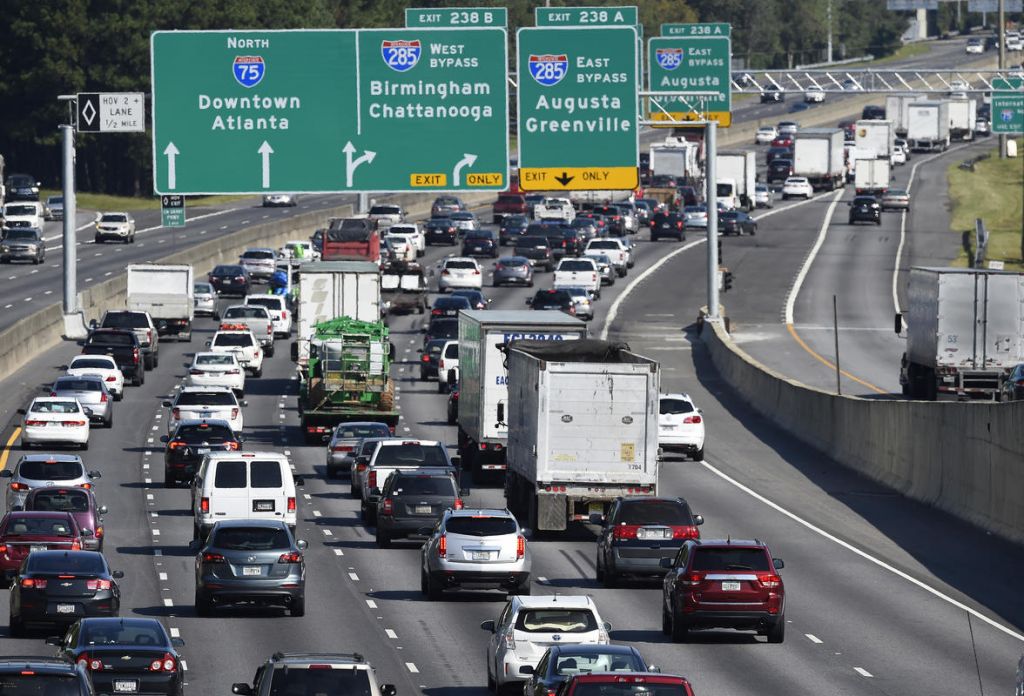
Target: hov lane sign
(172, 211)
(111, 112)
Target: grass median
(992, 192)
(103, 202)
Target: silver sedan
(91, 391)
(341, 450)
(513, 270)
(205, 299)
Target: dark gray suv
(250, 562)
(23, 244)
(413, 499)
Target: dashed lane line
(863, 672)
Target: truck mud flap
(551, 512)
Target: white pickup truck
(257, 319)
(578, 273)
(613, 248)
(554, 209)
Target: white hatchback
(460, 272)
(797, 186)
(680, 426)
(814, 95)
(765, 135)
(415, 234)
(55, 420)
(102, 365)
(211, 369)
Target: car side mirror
(299, 481)
(665, 562)
(95, 474)
(488, 626)
(241, 689)
(117, 574)
(102, 509)
(654, 668)
(93, 324)
(63, 367)
(208, 344)
(388, 690)
(301, 544)
(596, 518)
(778, 563)
(195, 545)
(22, 411)
(55, 640)
(698, 520)
(164, 439)
(165, 404)
(898, 323)
(607, 626)
(525, 669)
(86, 533)
(178, 642)
(6, 473)
(243, 403)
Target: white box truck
(483, 377)
(332, 289)
(928, 126)
(963, 118)
(965, 332)
(818, 154)
(166, 292)
(583, 429)
(871, 176)
(735, 176)
(897, 110)
(875, 137)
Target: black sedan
(512, 226)
(125, 655)
(865, 209)
(60, 587)
(736, 222)
(563, 661)
(441, 231)
(480, 243)
(475, 297)
(191, 441)
(449, 306)
(230, 280)
(668, 225)
(553, 300)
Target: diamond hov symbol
(89, 112)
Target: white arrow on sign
(467, 160)
(351, 164)
(172, 175)
(266, 151)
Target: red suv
(625, 684)
(23, 532)
(724, 583)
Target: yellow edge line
(831, 365)
(7, 448)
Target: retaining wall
(965, 458)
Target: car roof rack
(355, 657)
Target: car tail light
(572, 309)
(371, 479)
(111, 378)
(442, 546)
(360, 468)
(135, 355)
(167, 664)
(292, 557)
(53, 393)
(284, 314)
(769, 580)
(520, 546)
(34, 583)
(692, 579)
(435, 312)
(342, 448)
(499, 267)
(176, 444)
(685, 532)
(510, 638)
(231, 372)
(240, 279)
(625, 532)
(97, 584)
(103, 398)
(388, 506)
(692, 420)
(34, 423)
(425, 358)
(213, 558)
(234, 413)
(445, 272)
(99, 532)
(93, 664)
(269, 328)
(3, 548)
(194, 371)
(73, 423)
(86, 486)
(204, 505)
(291, 504)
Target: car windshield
(424, 485)
(19, 210)
(55, 470)
(43, 526)
(675, 406)
(77, 385)
(114, 217)
(92, 363)
(369, 430)
(617, 688)
(125, 320)
(122, 633)
(669, 512)
(251, 312)
(385, 210)
(206, 433)
(70, 500)
(335, 682)
(480, 525)
(54, 407)
(215, 359)
(212, 398)
(411, 454)
(23, 233)
(719, 558)
(556, 621)
(66, 563)
(250, 538)
(229, 340)
(569, 664)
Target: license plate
(65, 608)
(423, 509)
(480, 555)
(34, 547)
(252, 570)
(730, 587)
(126, 685)
(202, 450)
(263, 505)
(643, 533)
(595, 508)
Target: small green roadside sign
(1008, 106)
(456, 17)
(172, 211)
(577, 108)
(691, 58)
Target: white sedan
(210, 369)
(55, 420)
(680, 426)
(414, 232)
(899, 155)
(102, 365)
(814, 95)
(401, 245)
(797, 186)
(765, 135)
(460, 272)
(763, 196)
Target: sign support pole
(70, 240)
(1001, 35)
(711, 197)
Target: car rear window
(718, 558)
(54, 407)
(228, 270)
(229, 475)
(265, 474)
(215, 359)
(674, 406)
(481, 525)
(197, 434)
(35, 684)
(206, 399)
(452, 351)
(93, 363)
(513, 262)
(249, 312)
(599, 244)
(619, 688)
(411, 454)
(424, 485)
(556, 621)
(125, 320)
(669, 512)
(110, 339)
(466, 265)
(36, 470)
(260, 255)
(336, 682)
(375, 430)
(45, 526)
(66, 563)
(109, 633)
(78, 385)
(576, 266)
(250, 538)
(70, 500)
(531, 242)
(202, 288)
(233, 339)
(268, 302)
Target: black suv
(123, 346)
(873, 112)
(536, 249)
(44, 675)
(480, 243)
(865, 209)
(668, 225)
(314, 673)
(638, 532)
(512, 226)
(441, 231)
(192, 440)
(553, 300)
(772, 94)
(414, 499)
(779, 169)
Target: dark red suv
(727, 583)
(625, 684)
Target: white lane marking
(8, 306)
(168, 602)
(862, 672)
(48, 292)
(28, 299)
(339, 552)
(390, 634)
(148, 480)
(412, 668)
(328, 532)
(158, 552)
(822, 233)
(184, 666)
(287, 453)
(149, 496)
(354, 577)
(813, 638)
(372, 604)
(163, 576)
(108, 273)
(316, 513)
(175, 632)
(863, 554)
(307, 496)
(156, 532)
(542, 580)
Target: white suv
(414, 232)
(460, 272)
(239, 340)
(680, 426)
(277, 307)
(526, 628)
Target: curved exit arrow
(351, 164)
(467, 160)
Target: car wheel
(598, 569)
(331, 473)
(203, 605)
(298, 607)
(84, 446)
(16, 627)
(611, 578)
(270, 350)
(492, 685)
(258, 372)
(433, 591)
(109, 422)
(96, 240)
(777, 632)
(523, 590)
(441, 386)
(666, 623)
(383, 539)
(878, 221)
(680, 631)
(530, 284)
(698, 456)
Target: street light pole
(829, 57)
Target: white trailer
(735, 176)
(897, 110)
(928, 126)
(963, 118)
(678, 158)
(872, 176)
(875, 137)
(818, 154)
(583, 430)
(166, 292)
(332, 289)
(965, 332)
(483, 377)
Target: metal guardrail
(859, 81)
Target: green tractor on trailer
(347, 378)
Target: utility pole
(1002, 66)
(711, 198)
(829, 11)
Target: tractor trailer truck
(818, 154)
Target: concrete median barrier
(965, 458)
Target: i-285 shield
(401, 55)
(669, 58)
(547, 69)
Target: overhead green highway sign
(691, 58)
(577, 108)
(456, 17)
(1007, 105)
(329, 110)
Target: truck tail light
(371, 479)
(458, 504)
(149, 335)
(442, 547)
(291, 504)
(135, 355)
(204, 505)
(284, 314)
(387, 506)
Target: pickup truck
(123, 346)
(139, 322)
(508, 204)
(277, 307)
(204, 403)
(578, 273)
(386, 215)
(613, 248)
(255, 318)
(398, 454)
(554, 209)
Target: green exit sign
(707, 29)
(586, 16)
(456, 17)
(1007, 106)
